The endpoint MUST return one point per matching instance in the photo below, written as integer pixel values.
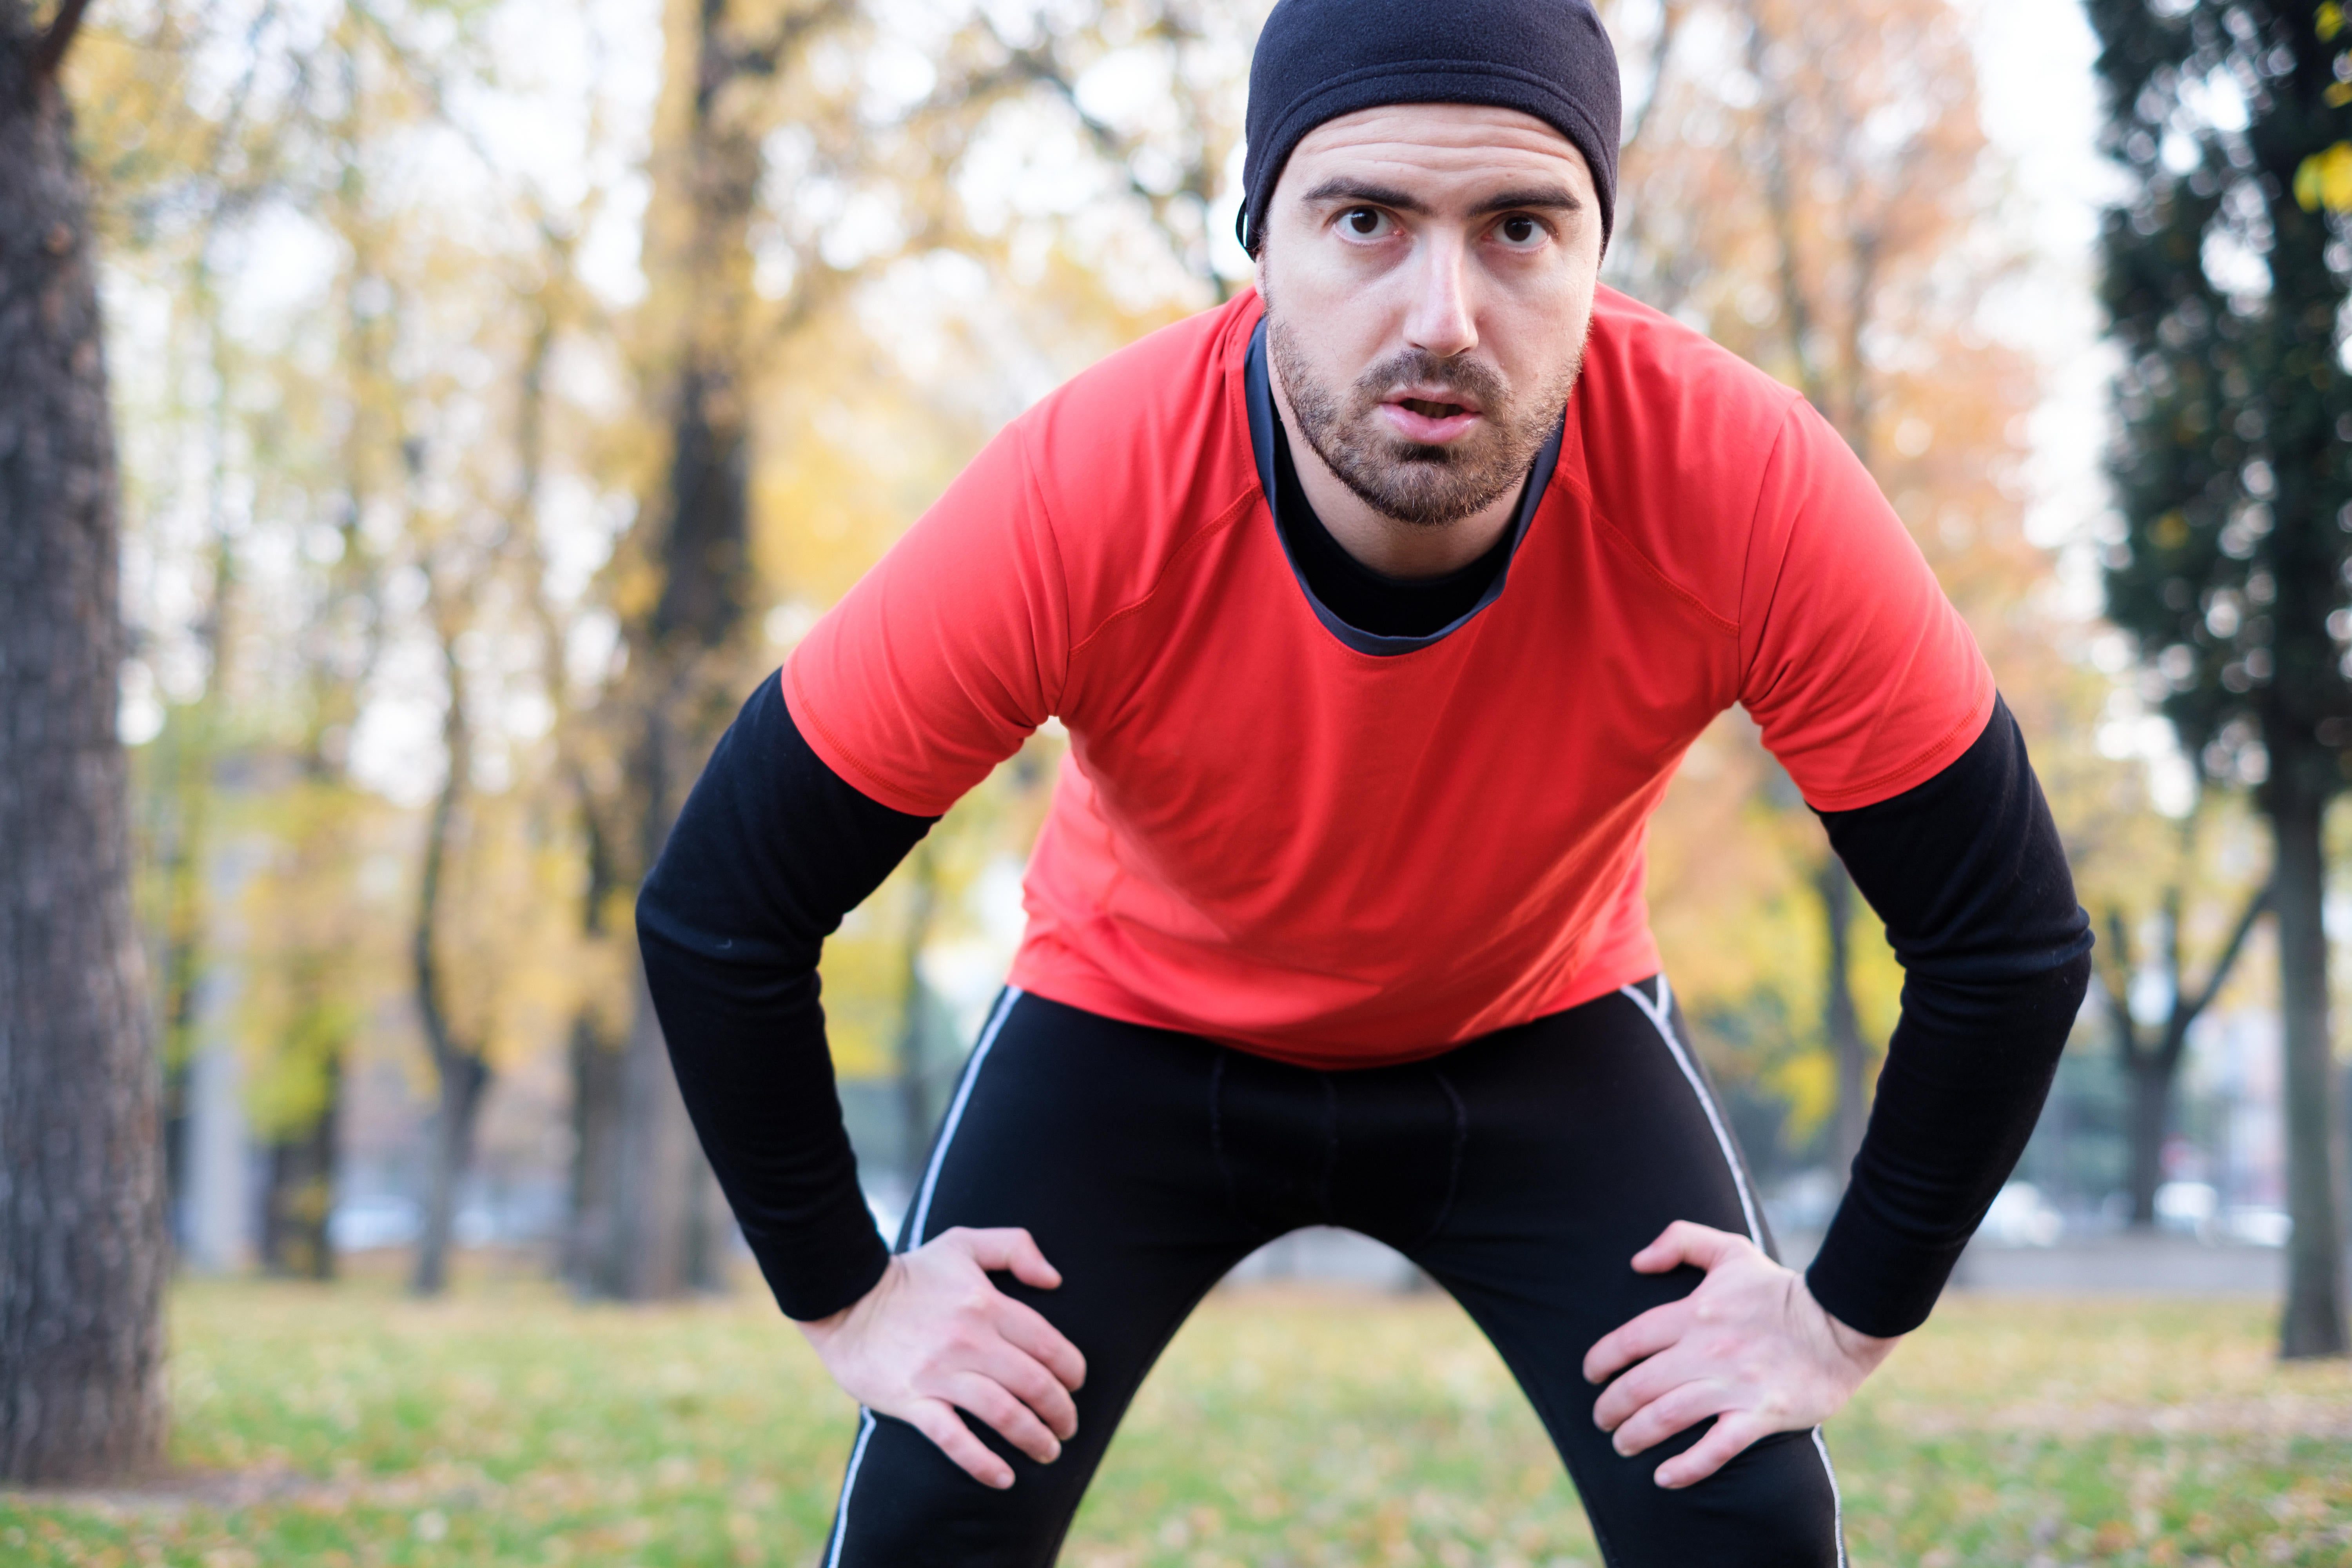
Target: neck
(1393, 549)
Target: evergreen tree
(2226, 270)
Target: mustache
(1482, 384)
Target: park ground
(348, 1425)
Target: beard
(1415, 482)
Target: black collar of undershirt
(1367, 610)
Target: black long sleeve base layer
(770, 850)
(1966, 870)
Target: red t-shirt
(1265, 836)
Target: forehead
(1434, 145)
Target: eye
(1520, 232)
(1364, 222)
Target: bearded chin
(1412, 482)
(1421, 486)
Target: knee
(908, 1505)
(1773, 1506)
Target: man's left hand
(1750, 1347)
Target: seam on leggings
(1837, 1500)
(1661, 1016)
(1454, 1166)
(1217, 1150)
(1217, 1134)
(1330, 1146)
(955, 1114)
(841, 1514)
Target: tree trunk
(653, 1240)
(1840, 1022)
(463, 1079)
(180, 845)
(711, 1226)
(688, 667)
(2313, 1321)
(2151, 1109)
(2152, 1068)
(82, 1252)
(302, 1193)
(459, 1064)
(596, 1069)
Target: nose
(1439, 320)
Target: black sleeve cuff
(832, 1262)
(1876, 1279)
(1954, 1109)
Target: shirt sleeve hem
(844, 762)
(1946, 749)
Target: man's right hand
(935, 1335)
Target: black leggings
(1522, 1170)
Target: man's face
(1428, 274)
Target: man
(1379, 604)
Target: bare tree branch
(767, 56)
(1669, 23)
(2114, 979)
(49, 53)
(2256, 906)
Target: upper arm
(1863, 678)
(944, 656)
(1967, 868)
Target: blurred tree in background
(2152, 1064)
(82, 1255)
(2227, 271)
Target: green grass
(348, 1425)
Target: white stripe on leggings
(841, 1520)
(1661, 1016)
(1837, 1501)
(915, 1240)
(955, 1113)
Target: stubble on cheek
(1407, 481)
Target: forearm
(1968, 874)
(1953, 1111)
(770, 850)
(758, 1083)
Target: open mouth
(1430, 421)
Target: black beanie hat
(1318, 60)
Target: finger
(1016, 1422)
(1724, 1442)
(1646, 1381)
(1674, 1411)
(1686, 1241)
(1028, 1380)
(1628, 1342)
(935, 1419)
(1025, 1327)
(1008, 1248)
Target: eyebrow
(1540, 197)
